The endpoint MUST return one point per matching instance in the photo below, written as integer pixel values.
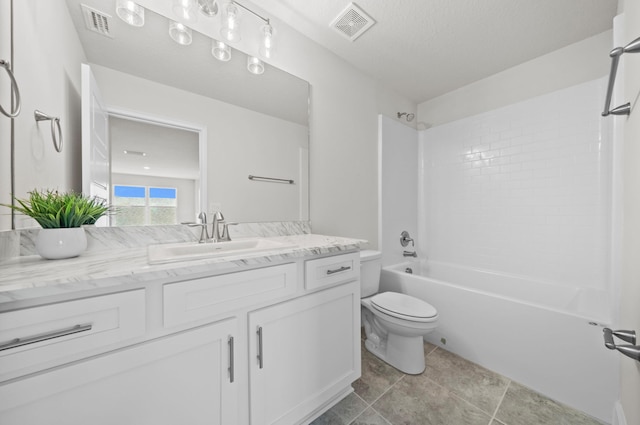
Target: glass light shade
(255, 65)
(230, 30)
(185, 10)
(130, 12)
(266, 41)
(208, 8)
(180, 33)
(221, 51)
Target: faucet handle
(225, 236)
(202, 217)
(405, 239)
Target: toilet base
(404, 353)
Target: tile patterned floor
(451, 391)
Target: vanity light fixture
(255, 65)
(180, 33)
(220, 50)
(266, 41)
(208, 8)
(230, 30)
(185, 10)
(130, 12)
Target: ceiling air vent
(352, 22)
(96, 21)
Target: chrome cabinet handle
(16, 91)
(231, 361)
(341, 269)
(19, 342)
(260, 355)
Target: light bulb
(221, 51)
(186, 10)
(255, 65)
(230, 31)
(130, 12)
(180, 33)
(266, 42)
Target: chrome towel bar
(271, 179)
(633, 47)
(55, 123)
(15, 93)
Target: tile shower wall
(523, 189)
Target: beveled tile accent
(377, 377)
(523, 406)
(344, 412)
(475, 384)
(370, 417)
(417, 400)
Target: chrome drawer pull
(231, 361)
(341, 269)
(260, 347)
(19, 342)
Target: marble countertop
(28, 279)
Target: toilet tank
(370, 266)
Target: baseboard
(618, 415)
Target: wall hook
(55, 123)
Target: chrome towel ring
(16, 91)
(55, 123)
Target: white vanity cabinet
(271, 345)
(302, 354)
(178, 379)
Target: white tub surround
(536, 333)
(230, 340)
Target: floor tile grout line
(387, 390)
(495, 412)
(380, 414)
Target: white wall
(577, 63)
(47, 53)
(240, 142)
(398, 188)
(524, 189)
(630, 291)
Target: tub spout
(409, 254)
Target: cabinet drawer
(48, 335)
(329, 271)
(199, 299)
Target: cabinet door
(302, 354)
(180, 379)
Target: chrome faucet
(204, 231)
(409, 254)
(218, 219)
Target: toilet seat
(404, 307)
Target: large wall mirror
(253, 124)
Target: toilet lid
(403, 306)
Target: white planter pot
(54, 244)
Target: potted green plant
(61, 215)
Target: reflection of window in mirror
(144, 205)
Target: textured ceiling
(424, 48)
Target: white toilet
(394, 323)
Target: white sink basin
(164, 253)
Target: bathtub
(545, 336)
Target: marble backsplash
(15, 243)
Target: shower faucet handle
(405, 239)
